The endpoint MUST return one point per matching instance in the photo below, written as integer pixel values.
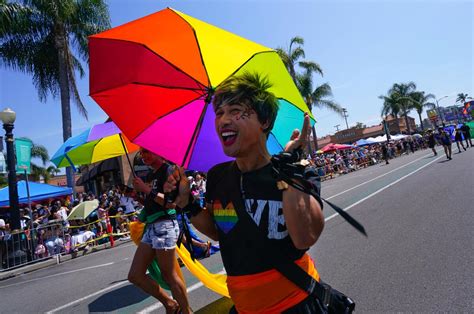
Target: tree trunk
(406, 122)
(315, 139)
(61, 45)
(421, 121)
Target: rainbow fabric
(225, 218)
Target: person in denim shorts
(159, 238)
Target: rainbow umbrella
(102, 141)
(155, 77)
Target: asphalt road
(418, 256)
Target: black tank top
(263, 202)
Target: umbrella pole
(126, 154)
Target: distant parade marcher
(385, 153)
(432, 142)
(458, 139)
(446, 142)
(466, 130)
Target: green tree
(420, 102)
(360, 125)
(391, 107)
(40, 37)
(404, 93)
(293, 56)
(314, 97)
(462, 98)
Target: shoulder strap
(281, 262)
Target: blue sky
(363, 47)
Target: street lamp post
(437, 109)
(8, 117)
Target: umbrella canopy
(38, 192)
(395, 137)
(155, 76)
(83, 210)
(363, 142)
(332, 147)
(102, 141)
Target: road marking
(158, 305)
(88, 296)
(378, 177)
(59, 274)
(384, 188)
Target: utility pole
(345, 115)
(441, 116)
(337, 127)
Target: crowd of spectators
(53, 233)
(331, 164)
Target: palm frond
(19, 19)
(296, 54)
(461, 97)
(322, 91)
(311, 66)
(296, 40)
(90, 17)
(284, 57)
(330, 105)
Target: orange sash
(269, 291)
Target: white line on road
(378, 177)
(58, 274)
(88, 296)
(156, 306)
(384, 188)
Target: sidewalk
(55, 260)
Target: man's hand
(141, 186)
(176, 177)
(301, 140)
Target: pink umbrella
(332, 147)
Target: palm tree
(313, 97)
(391, 107)
(291, 57)
(38, 37)
(38, 172)
(462, 98)
(317, 97)
(420, 101)
(403, 92)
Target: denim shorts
(162, 235)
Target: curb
(55, 260)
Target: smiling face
(239, 130)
